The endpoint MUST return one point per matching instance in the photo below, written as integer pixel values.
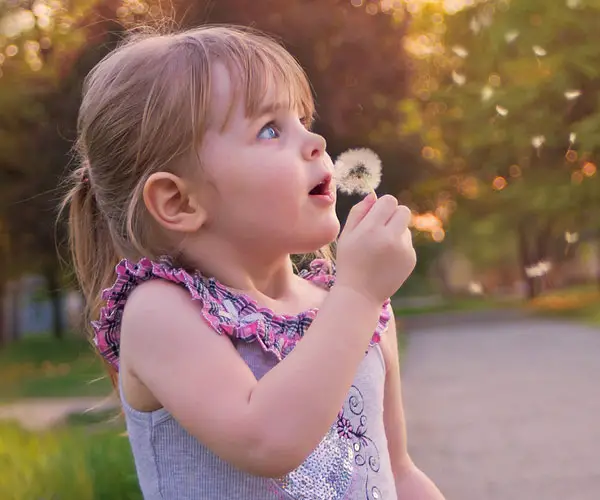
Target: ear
(172, 204)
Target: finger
(382, 211)
(400, 219)
(358, 211)
(406, 238)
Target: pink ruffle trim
(228, 313)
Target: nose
(313, 147)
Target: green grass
(456, 304)
(70, 463)
(45, 367)
(100, 418)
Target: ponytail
(92, 252)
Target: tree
(40, 91)
(354, 58)
(505, 100)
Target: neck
(250, 271)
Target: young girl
(239, 379)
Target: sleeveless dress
(352, 460)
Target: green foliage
(357, 81)
(45, 367)
(454, 305)
(495, 76)
(69, 463)
(581, 303)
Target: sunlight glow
(450, 6)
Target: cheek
(250, 186)
(272, 190)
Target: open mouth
(321, 189)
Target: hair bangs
(282, 77)
(265, 76)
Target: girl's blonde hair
(145, 109)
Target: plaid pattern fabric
(228, 313)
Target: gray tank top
(352, 460)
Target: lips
(323, 188)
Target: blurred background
(485, 114)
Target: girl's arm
(265, 427)
(411, 483)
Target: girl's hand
(375, 251)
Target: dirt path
(505, 409)
(39, 414)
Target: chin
(318, 238)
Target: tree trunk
(14, 311)
(525, 261)
(441, 276)
(542, 244)
(598, 263)
(53, 284)
(3, 332)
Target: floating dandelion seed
(538, 141)
(487, 93)
(460, 51)
(475, 288)
(475, 26)
(501, 111)
(571, 238)
(539, 51)
(357, 171)
(458, 78)
(485, 18)
(571, 95)
(539, 269)
(511, 36)
(572, 138)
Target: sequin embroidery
(326, 474)
(352, 425)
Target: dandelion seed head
(571, 95)
(357, 171)
(572, 137)
(539, 51)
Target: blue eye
(269, 131)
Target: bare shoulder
(152, 296)
(147, 311)
(149, 304)
(183, 362)
(160, 317)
